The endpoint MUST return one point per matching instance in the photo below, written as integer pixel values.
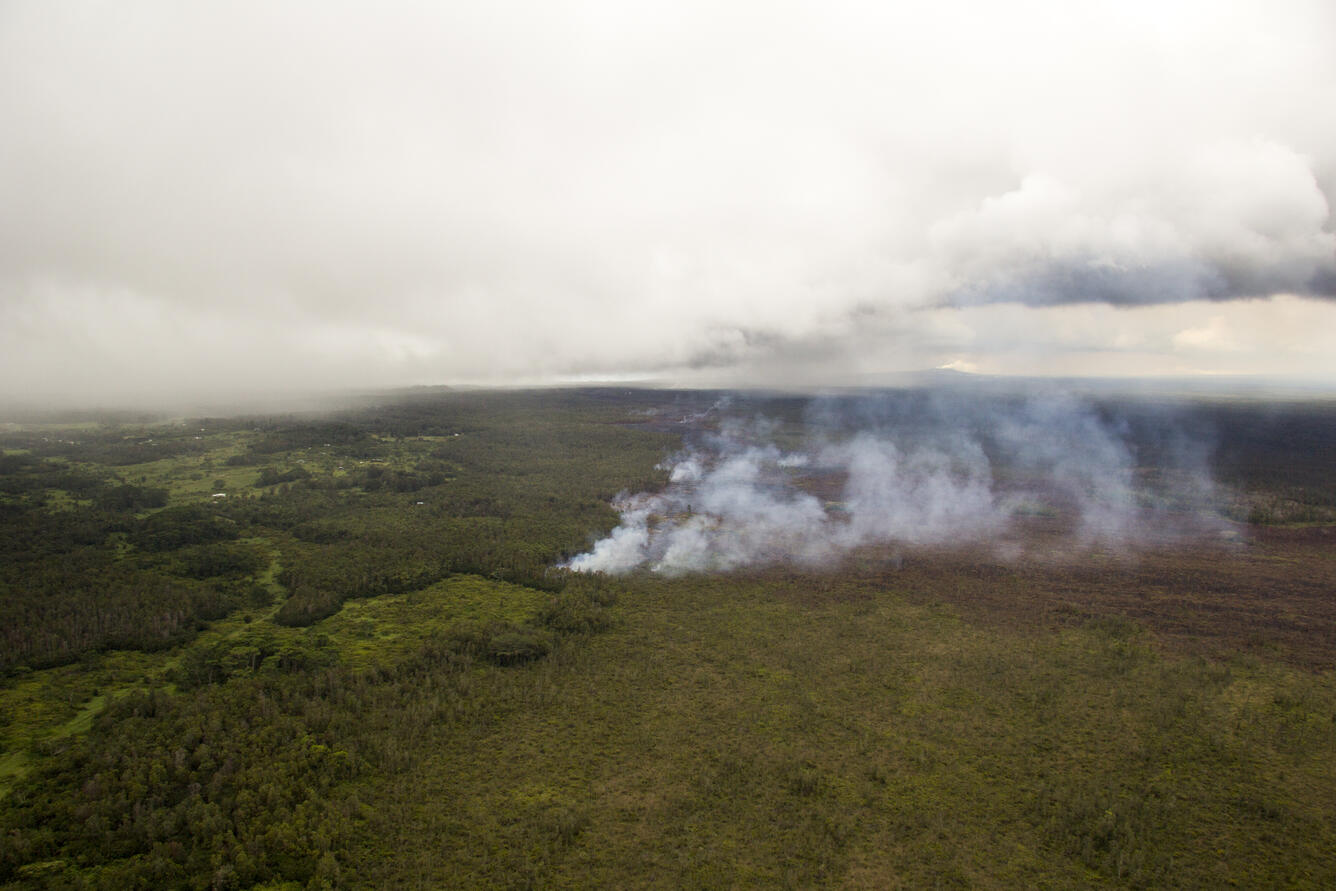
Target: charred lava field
(654, 638)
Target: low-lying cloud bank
(932, 474)
(202, 199)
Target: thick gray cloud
(224, 197)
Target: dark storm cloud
(1074, 282)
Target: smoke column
(936, 472)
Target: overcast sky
(221, 199)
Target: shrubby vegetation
(340, 652)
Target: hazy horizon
(156, 408)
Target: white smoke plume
(943, 473)
(724, 508)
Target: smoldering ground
(918, 469)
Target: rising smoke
(932, 470)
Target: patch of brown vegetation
(1271, 592)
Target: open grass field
(365, 668)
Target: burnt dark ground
(1272, 595)
(1256, 575)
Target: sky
(219, 199)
